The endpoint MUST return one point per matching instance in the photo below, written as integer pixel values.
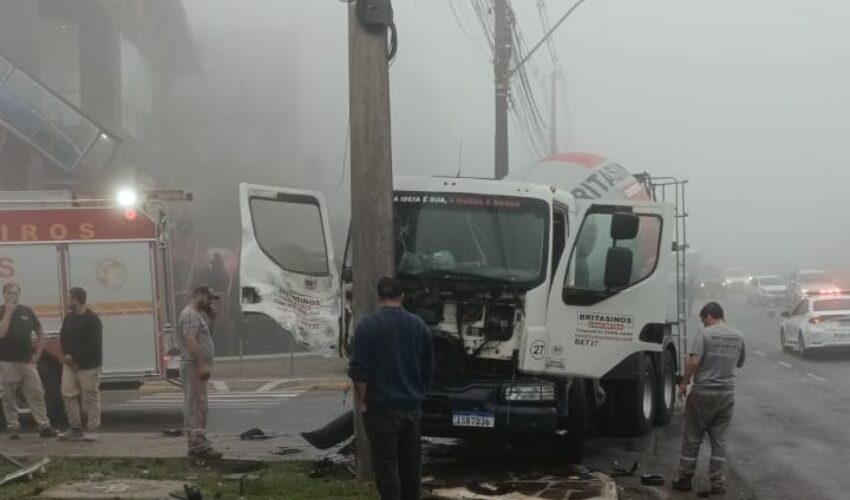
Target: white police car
(818, 321)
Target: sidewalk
(153, 445)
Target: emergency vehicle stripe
(101, 308)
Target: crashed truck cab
(534, 292)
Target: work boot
(72, 434)
(47, 432)
(683, 484)
(206, 454)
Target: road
(788, 439)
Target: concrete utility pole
(502, 51)
(371, 174)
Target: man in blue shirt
(391, 366)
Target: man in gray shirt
(717, 352)
(197, 352)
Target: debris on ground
(285, 450)
(255, 435)
(172, 432)
(621, 472)
(22, 470)
(652, 480)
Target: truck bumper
(515, 418)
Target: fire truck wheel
(50, 371)
(665, 399)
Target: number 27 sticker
(538, 349)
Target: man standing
(81, 337)
(18, 362)
(391, 366)
(716, 353)
(197, 352)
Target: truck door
(614, 291)
(287, 267)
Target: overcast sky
(747, 100)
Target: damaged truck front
(547, 297)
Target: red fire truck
(50, 242)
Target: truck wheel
(636, 401)
(50, 372)
(570, 448)
(665, 401)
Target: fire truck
(50, 241)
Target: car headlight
(702, 285)
(533, 392)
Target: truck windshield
(471, 236)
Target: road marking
(759, 353)
(786, 365)
(273, 384)
(819, 379)
(220, 385)
(216, 400)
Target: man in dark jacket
(81, 337)
(391, 366)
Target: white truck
(50, 242)
(548, 293)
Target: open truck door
(287, 267)
(610, 297)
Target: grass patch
(289, 480)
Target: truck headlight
(530, 392)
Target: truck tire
(634, 401)
(665, 400)
(50, 372)
(570, 448)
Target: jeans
(707, 411)
(395, 447)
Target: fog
(746, 100)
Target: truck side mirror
(624, 226)
(618, 267)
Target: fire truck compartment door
(610, 297)
(287, 267)
(119, 281)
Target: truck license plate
(473, 419)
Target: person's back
(391, 365)
(721, 351)
(392, 347)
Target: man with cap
(197, 352)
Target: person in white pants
(18, 362)
(82, 344)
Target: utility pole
(502, 51)
(553, 119)
(371, 170)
